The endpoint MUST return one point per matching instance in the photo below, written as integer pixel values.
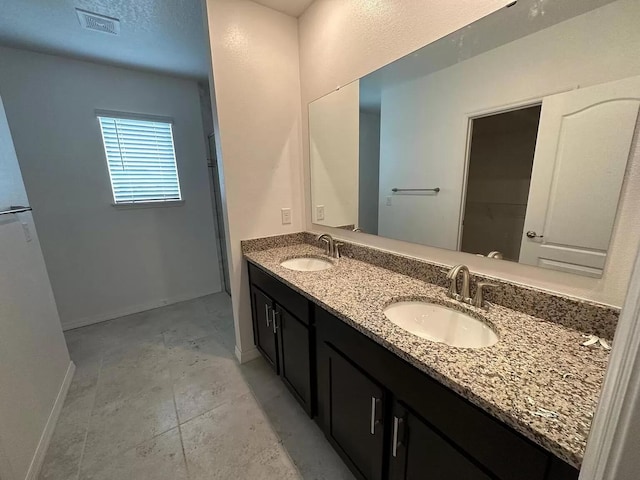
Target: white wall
(343, 41)
(33, 354)
(257, 99)
(425, 121)
(334, 144)
(104, 261)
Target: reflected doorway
(501, 156)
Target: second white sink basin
(307, 264)
(441, 324)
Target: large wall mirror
(509, 138)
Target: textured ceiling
(160, 35)
(290, 7)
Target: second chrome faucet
(465, 294)
(332, 247)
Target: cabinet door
(419, 453)
(559, 470)
(295, 370)
(264, 334)
(355, 413)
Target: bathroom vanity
(507, 140)
(398, 406)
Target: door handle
(374, 417)
(274, 320)
(397, 423)
(267, 314)
(532, 234)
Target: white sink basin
(441, 324)
(307, 264)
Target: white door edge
(620, 396)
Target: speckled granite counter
(536, 367)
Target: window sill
(136, 205)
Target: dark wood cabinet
(384, 417)
(354, 411)
(294, 339)
(263, 331)
(559, 470)
(283, 333)
(442, 435)
(418, 452)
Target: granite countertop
(538, 378)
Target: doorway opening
(214, 177)
(501, 156)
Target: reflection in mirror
(508, 138)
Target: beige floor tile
(62, 460)
(273, 463)
(159, 458)
(200, 354)
(135, 374)
(304, 441)
(205, 375)
(220, 441)
(127, 420)
(201, 393)
(189, 329)
(130, 369)
(218, 304)
(262, 380)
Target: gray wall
(103, 261)
(369, 171)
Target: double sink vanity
(408, 377)
(508, 140)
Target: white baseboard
(47, 433)
(245, 356)
(103, 317)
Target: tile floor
(159, 395)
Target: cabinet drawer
(294, 302)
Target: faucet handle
(326, 244)
(478, 298)
(336, 249)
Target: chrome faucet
(332, 247)
(452, 275)
(465, 295)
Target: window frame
(147, 203)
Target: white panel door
(581, 155)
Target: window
(141, 160)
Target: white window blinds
(141, 160)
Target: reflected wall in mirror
(508, 138)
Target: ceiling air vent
(98, 23)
